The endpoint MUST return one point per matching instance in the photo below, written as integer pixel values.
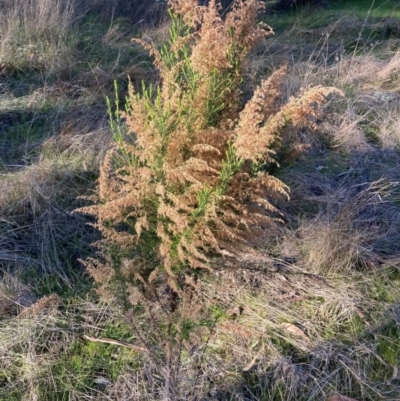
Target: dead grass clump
(14, 295)
(341, 238)
(369, 114)
(36, 35)
(348, 206)
(22, 361)
(38, 234)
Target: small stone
(102, 380)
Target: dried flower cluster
(187, 182)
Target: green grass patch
(354, 23)
(362, 8)
(79, 368)
(20, 142)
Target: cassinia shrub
(186, 183)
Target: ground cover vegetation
(241, 228)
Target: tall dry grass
(36, 35)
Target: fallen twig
(115, 342)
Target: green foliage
(76, 370)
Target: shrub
(186, 182)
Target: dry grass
(40, 238)
(36, 35)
